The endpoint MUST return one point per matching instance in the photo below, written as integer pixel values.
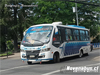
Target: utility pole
(76, 13)
(75, 10)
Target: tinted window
(68, 34)
(76, 35)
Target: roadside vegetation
(5, 54)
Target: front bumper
(37, 60)
(39, 56)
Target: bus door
(58, 40)
(61, 40)
(63, 44)
(67, 45)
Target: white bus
(54, 41)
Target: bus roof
(69, 26)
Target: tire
(81, 54)
(56, 58)
(87, 54)
(29, 63)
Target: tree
(50, 11)
(5, 20)
(88, 17)
(14, 22)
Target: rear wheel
(81, 54)
(29, 63)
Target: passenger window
(76, 35)
(82, 35)
(87, 35)
(68, 34)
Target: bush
(5, 54)
(10, 45)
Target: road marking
(17, 67)
(93, 64)
(96, 58)
(51, 72)
(59, 70)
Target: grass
(5, 54)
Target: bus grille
(35, 54)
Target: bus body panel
(72, 48)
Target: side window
(56, 41)
(76, 35)
(68, 34)
(57, 37)
(82, 35)
(87, 35)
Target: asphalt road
(17, 67)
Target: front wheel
(56, 58)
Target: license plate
(32, 56)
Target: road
(17, 67)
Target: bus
(45, 42)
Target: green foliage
(48, 12)
(10, 45)
(5, 54)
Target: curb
(10, 58)
(14, 56)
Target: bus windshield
(39, 34)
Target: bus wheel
(29, 63)
(81, 54)
(56, 58)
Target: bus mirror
(24, 34)
(56, 31)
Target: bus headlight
(46, 49)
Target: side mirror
(24, 34)
(56, 31)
